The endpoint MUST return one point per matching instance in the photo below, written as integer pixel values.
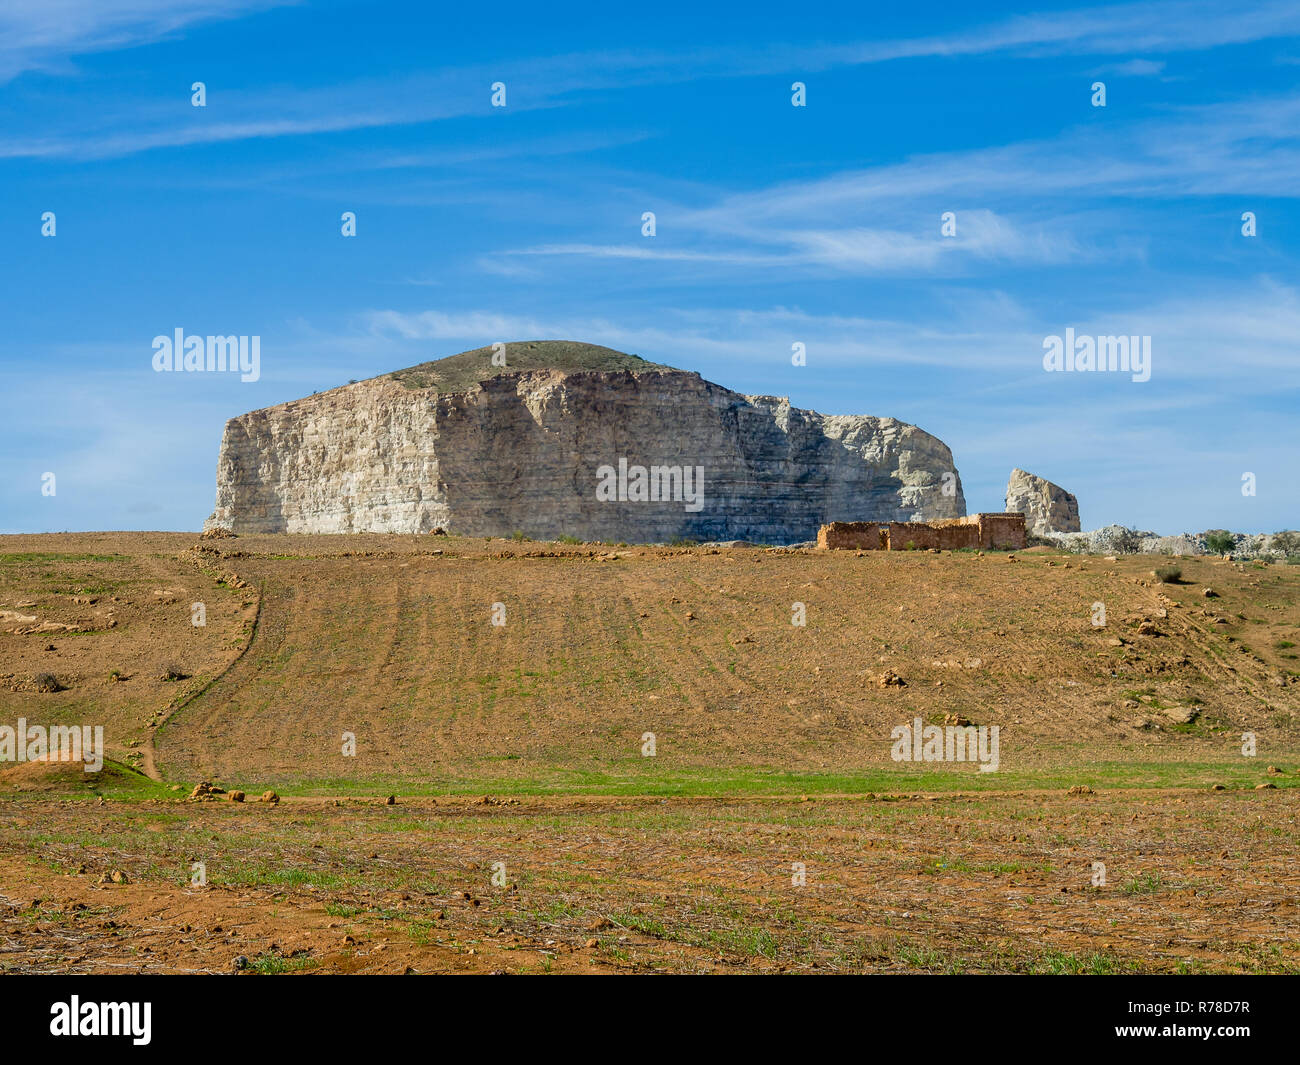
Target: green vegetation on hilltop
(457, 373)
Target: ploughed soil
(390, 639)
(1194, 881)
(658, 744)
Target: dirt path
(148, 750)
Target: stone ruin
(985, 532)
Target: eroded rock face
(1047, 507)
(524, 450)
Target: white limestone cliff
(520, 449)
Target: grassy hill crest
(457, 373)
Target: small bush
(567, 539)
(1169, 575)
(518, 537)
(47, 682)
(172, 671)
(1286, 543)
(1220, 541)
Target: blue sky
(775, 225)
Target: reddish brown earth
(1196, 882)
(768, 735)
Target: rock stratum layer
(483, 450)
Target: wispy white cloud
(1134, 68)
(271, 113)
(1243, 335)
(1002, 197)
(1163, 26)
(981, 235)
(45, 34)
(1250, 145)
(35, 33)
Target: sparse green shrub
(1147, 884)
(1220, 541)
(1169, 574)
(1287, 543)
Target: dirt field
(772, 747)
(1195, 882)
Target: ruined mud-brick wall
(975, 531)
(951, 535)
(1004, 532)
(853, 536)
